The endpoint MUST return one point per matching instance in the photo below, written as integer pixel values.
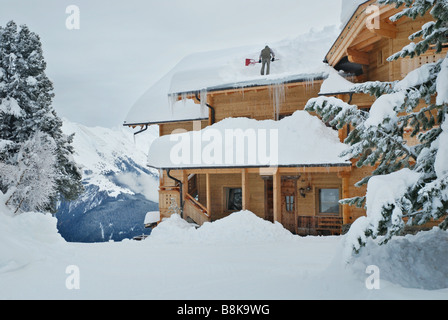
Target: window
(380, 58)
(328, 201)
(234, 199)
(290, 203)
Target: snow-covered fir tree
(32, 180)
(26, 96)
(417, 103)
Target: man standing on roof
(266, 56)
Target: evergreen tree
(26, 96)
(33, 179)
(418, 103)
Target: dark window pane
(235, 199)
(289, 200)
(328, 200)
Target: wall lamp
(304, 191)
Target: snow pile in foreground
(26, 237)
(413, 261)
(239, 227)
(229, 258)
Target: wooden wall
(353, 191)
(306, 206)
(169, 127)
(259, 103)
(218, 184)
(380, 69)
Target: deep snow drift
(238, 257)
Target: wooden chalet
(302, 196)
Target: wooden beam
(245, 189)
(322, 169)
(260, 88)
(355, 28)
(385, 30)
(184, 180)
(351, 30)
(356, 56)
(366, 43)
(277, 193)
(267, 171)
(361, 37)
(208, 193)
(346, 209)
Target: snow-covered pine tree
(33, 178)
(417, 103)
(26, 96)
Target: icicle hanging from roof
(277, 94)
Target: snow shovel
(251, 62)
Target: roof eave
(344, 29)
(321, 165)
(241, 85)
(138, 124)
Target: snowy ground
(239, 257)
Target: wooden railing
(195, 210)
(319, 225)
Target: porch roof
(300, 140)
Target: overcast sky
(123, 47)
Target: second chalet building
(231, 139)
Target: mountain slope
(119, 188)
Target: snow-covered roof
(156, 107)
(298, 140)
(152, 217)
(336, 83)
(299, 59)
(348, 7)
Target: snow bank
(26, 238)
(241, 227)
(413, 261)
(232, 258)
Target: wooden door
(289, 204)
